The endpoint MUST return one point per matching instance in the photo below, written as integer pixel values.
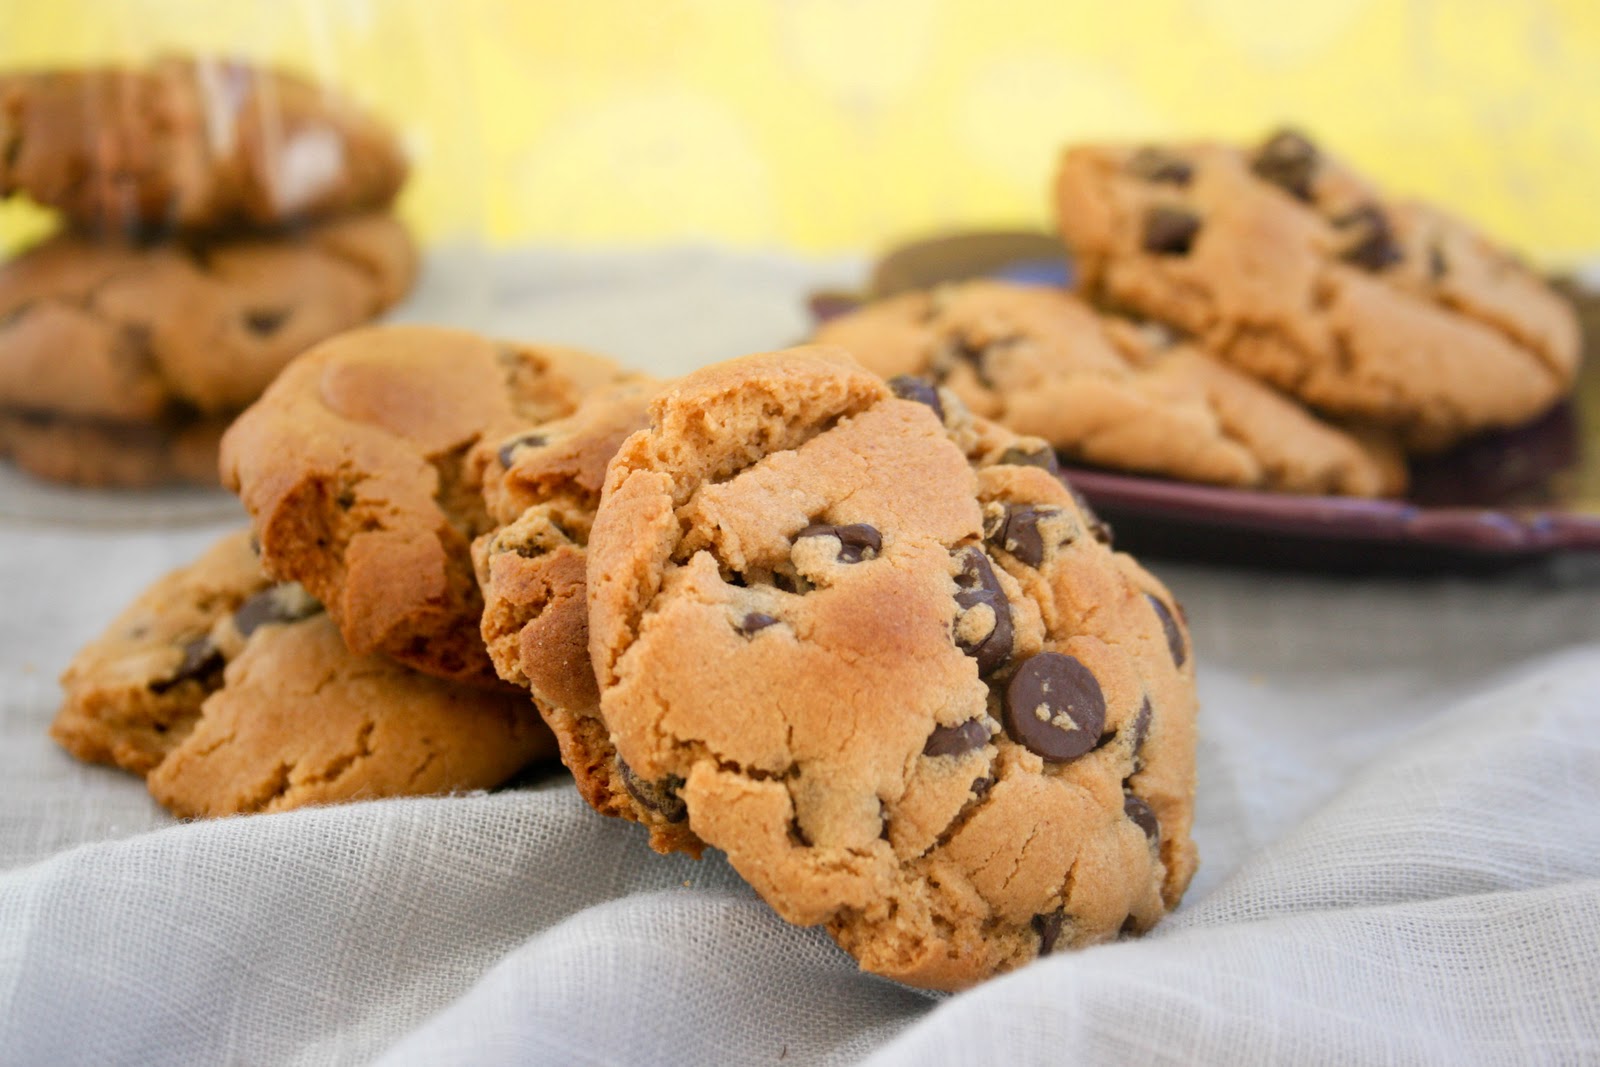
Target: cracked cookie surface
(356, 468)
(190, 144)
(875, 651)
(543, 488)
(1108, 392)
(137, 332)
(1289, 266)
(234, 694)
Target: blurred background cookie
(191, 143)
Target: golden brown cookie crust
(1292, 268)
(133, 332)
(191, 144)
(233, 695)
(355, 467)
(1109, 393)
(810, 604)
(532, 572)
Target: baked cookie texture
(234, 694)
(191, 144)
(139, 332)
(355, 467)
(543, 489)
(1110, 392)
(102, 454)
(1288, 265)
(876, 652)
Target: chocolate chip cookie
(878, 654)
(103, 454)
(139, 332)
(355, 466)
(191, 144)
(1291, 267)
(543, 488)
(235, 694)
(1108, 392)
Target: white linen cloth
(1398, 820)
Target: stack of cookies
(1260, 318)
(218, 219)
(865, 642)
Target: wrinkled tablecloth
(1398, 819)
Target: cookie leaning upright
(1109, 392)
(354, 467)
(905, 687)
(191, 144)
(1286, 264)
(543, 488)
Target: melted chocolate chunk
(1371, 243)
(910, 387)
(1156, 165)
(281, 603)
(660, 797)
(1040, 455)
(1170, 627)
(1289, 161)
(857, 541)
(508, 451)
(1170, 231)
(956, 740)
(1048, 927)
(1054, 707)
(1141, 726)
(756, 620)
(264, 322)
(200, 659)
(1020, 535)
(976, 585)
(1141, 815)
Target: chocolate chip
(200, 658)
(660, 797)
(508, 451)
(1141, 814)
(1155, 165)
(1141, 726)
(281, 603)
(910, 387)
(981, 786)
(1048, 927)
(1054, 707)
(1371, 242)
(264, 322)
(1040, 455)
(1170, 627)
(1436, 263)
(857, 541)
(1020, 535)
(1289, 161)
(1170, 231)
(756, 620)
(977, 585)
(956, 740)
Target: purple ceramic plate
(1496, 500)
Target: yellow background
(829, 124)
